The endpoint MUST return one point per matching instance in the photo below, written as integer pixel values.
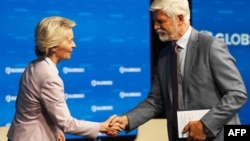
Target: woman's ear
(52, 50)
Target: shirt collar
(51, 64)
(183, 41)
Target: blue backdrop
(228, 20)
(109, 71)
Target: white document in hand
(183, 117)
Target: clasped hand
(113, 125)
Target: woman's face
(64, 50)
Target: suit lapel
(189, 61)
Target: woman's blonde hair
(50, 32)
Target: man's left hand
(195, 131)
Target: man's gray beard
(164, 38)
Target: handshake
(113, 125)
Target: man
(207, 78)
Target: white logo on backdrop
(9, 70)
(95, 83)
(74, 96)
(10, 98)
(96, 108)
(124, 70)
(129, 94)
(73, 70)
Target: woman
(41, 111)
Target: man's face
(165, 26)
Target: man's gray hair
(172, 8)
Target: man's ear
(181, 19)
